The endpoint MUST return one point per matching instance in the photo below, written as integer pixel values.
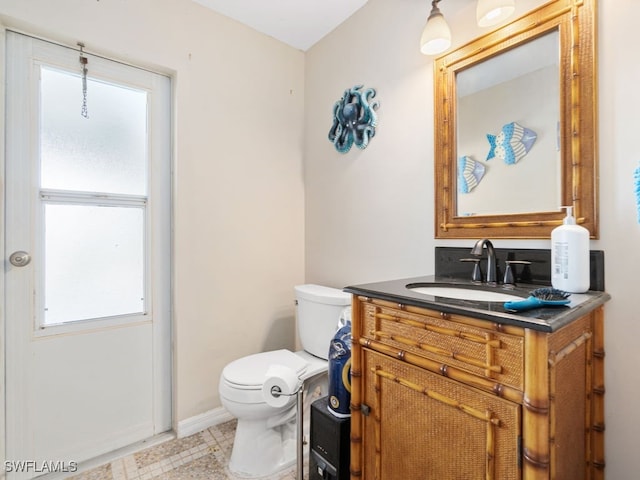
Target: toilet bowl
(265, 439)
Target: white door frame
(3, 302)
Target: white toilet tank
(318, 312)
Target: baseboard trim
(196, 424)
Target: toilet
(265, 440)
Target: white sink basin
(465, 294)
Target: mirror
(494, 98)
(515, 114)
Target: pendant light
(491, 12)
(436, 36)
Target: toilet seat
(243, 378)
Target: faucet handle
(476, 276)
(509, 275)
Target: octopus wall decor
(354, 119)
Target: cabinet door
(423, 426)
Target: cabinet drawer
(423, 426)
(481, 352)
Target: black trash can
(329, 443)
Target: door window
(93, 194)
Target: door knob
(20, 259)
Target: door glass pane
(94, 262)
(106, 152)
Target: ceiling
(299, 23)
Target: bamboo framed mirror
(515, 127)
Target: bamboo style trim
(576, 21)
(357, 419)
(574, 65)
(441, 330)
(377, 428)
(555, 357)
(553, 474)
(447, 143)
(529, 223)
(456, 319)
(483, 383)
(597, 404)
(486, 416)
(510, 36)
(589, 405)
(439, 351)
(535, 421)
(486, 46)
(490, 354)
(543, 352)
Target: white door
(87, 256)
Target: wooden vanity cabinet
(438, 396)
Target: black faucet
(492, 277)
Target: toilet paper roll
(280, 386)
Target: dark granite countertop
(547, 319)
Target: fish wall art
(512, 143)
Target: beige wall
(369, 214)
(239, 223)
(238, 207)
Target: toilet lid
(250, 372)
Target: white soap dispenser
(570, 256)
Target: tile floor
(203, 455)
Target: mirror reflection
(508, 119)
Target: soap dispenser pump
(570, 256)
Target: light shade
(436, 36)
(491, 12)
